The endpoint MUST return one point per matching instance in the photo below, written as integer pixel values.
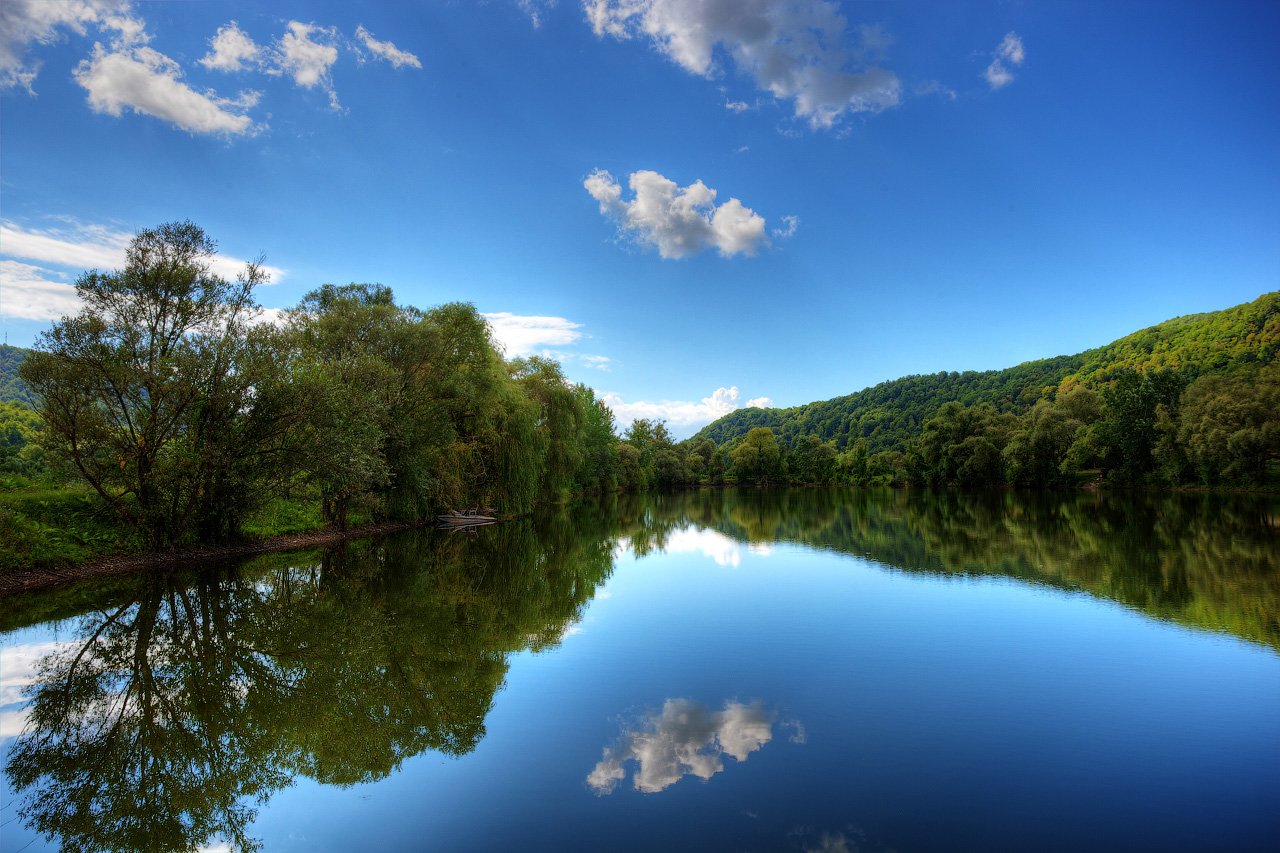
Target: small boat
(470, 517)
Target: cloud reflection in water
(685, 738)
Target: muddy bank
(45, 577)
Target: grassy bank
(46, 524)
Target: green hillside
(891, 413)
(12, 389)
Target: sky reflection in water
(965, 671)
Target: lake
(804, 670)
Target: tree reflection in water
(187, 702)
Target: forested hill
(889, 414)
(12, 389)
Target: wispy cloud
(30, 290)
(1010, 50)
(684, 739)
(387, 51)
(796, 50)
(685, 414)
(535, 9)
(677, 221)
(788, 229)
(523, 334)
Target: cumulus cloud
(737, 106)
(231, 49)
(148, 82)
(24, 22)
(306, 53)
(387, 51)
(79, 247)
(797, 50)
(678, 221)
(680, 413)
(1009, 51)
(684, 739)
(127, 74)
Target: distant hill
(13, 389)
(889, 414)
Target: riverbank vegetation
(168, 413)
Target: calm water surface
(788, 670)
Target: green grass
(44, 523)
(282, 516)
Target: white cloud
(933, 87)
(232, 50)
(678, 221)
(147, 82)
(709, 543)
(535, 9)
(788, 228)
(19, 665)
(797, 50)
(737, 106)
(1009, 50)
(23, 22)
(519, 334)
(80, 247)
(759, 403)
(595, 362)
(308, 60)
(679, 413)
(388, 51)
(32, 293)
(684, 739)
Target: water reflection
(1208, 561)
(685, 738)
(183, 703)
(191, 701)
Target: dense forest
(167, 413)
(1195, 400)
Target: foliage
(148, 393)
(187, 701)
(890, 414)
(185, 416)
(12, 388)
(1112, 412)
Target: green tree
(1127, 431)
(149, 392)
(757, 459)
(20, 428)
(1229, 427)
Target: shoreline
(47, 577)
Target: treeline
(185, 414)
(1154, 428)
(888, 416)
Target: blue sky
(694, 205)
